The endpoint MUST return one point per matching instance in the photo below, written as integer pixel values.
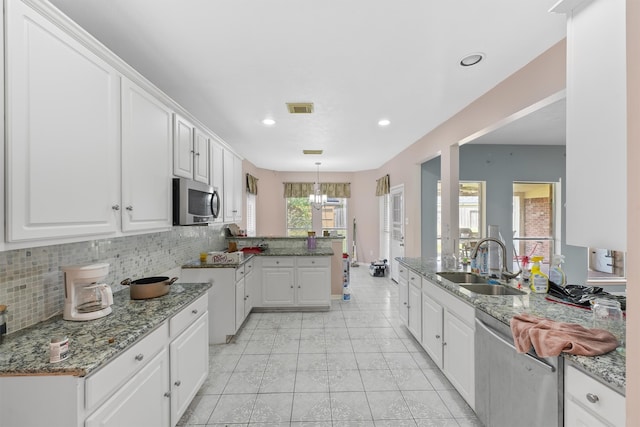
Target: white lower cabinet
(444, 325)
(149, 384)
(229, 300)
(403, 294)
(189, 355)
(143, 401)
(296, 281)
(589, 403)
(415, 306)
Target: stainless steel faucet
(504, 272)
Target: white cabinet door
(403, 300)
(216, 159)
(415, 311)
(596, 160)
(241, 298)
(146, 160)
(313, 286)
(62, 133)
(201, 156)
(143, 401)
(432, 329)
(277, 286)
(183, 151)
(232, 187)
(189, 366)
(250, 287)
(458, 354)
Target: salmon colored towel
(550, 338)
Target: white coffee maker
(85, 298)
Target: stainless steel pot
(149, 287)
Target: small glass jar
(607, 315)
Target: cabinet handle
(129, 208)
(277, 262)
(406, 305)
(437, 336)
(177, 383)
(247, 297)
(167, 394)
(139, 357)
(194, 311)
(115, 207)
(313, 262)
(192, 151)
(593, 398)
(197, 154)
(291, 286)
(298, 286)
(444, 343)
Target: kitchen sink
(487, 289)
(462, 277)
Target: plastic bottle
(526, 273)
(556, 275)
(539, 280)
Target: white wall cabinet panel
(312, 286)
(432, 329)
(458, 351)
(141, 402)
(233, 187)
(596, 125)
(146, 160)
(216, 161)
(278, 286)
(62, 129)
(189, 355)
(415, 305)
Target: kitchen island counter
(609, 368)
(93, 343)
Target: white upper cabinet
(216, 162)
(62, 143)
(596, 123)
(190, 151)
(146, 160)
(232, 187)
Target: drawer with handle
(187, 316)
(105, 381)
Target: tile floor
(355, 365)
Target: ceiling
(233, 63)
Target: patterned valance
(382, 186)
(304, 189)
(252, 184)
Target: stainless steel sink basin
(486, 289)
(462, 277)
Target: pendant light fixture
(317, 199)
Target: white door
(397, 228)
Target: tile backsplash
(32, 282)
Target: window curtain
(382, 186)
(252, 184)
(304, 189)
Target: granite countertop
(302, 251)
(26, 352)
(609, 367)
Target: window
(299, 216)
(470, 215)
(533, 220)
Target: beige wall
(633, 207)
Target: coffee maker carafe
(85, 297)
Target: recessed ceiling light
(471, 59)
(269, 122)
(384, 122)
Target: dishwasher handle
(490, 331)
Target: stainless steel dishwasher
(513, 389)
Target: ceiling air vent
(311, 151)
(300, 107)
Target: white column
(449, 167)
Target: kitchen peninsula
(276, 273)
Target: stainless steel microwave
(194, 203)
